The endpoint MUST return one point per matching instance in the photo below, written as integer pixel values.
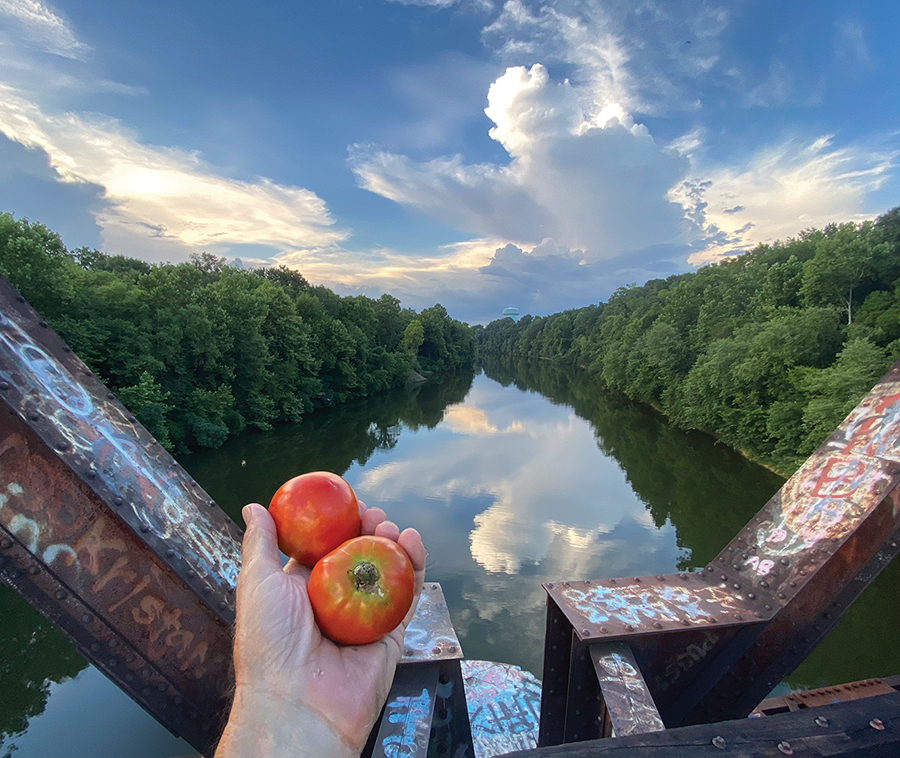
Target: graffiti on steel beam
(503, 703)
(120, 461)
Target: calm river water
(516, 476)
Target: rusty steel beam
(712, 644)
(104, 533)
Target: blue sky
(475, 153)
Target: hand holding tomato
(296, 692)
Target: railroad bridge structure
(104, 533)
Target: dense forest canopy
(201, 350)
(769, 351)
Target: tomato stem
(366, 576)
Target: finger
(294, 567)
(388, 529)
(411, 541)
(362, 507)
(371, 519)
(259, 554)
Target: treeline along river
(517, 474)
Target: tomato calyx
(365, 577)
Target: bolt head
(877, 724)
(785, 747)
(821, 721)
(718, 741)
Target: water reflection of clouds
(555, 497)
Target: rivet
(657, 625)
(785, 747)
(95, 647)
(118, 501)
(712, 620)
(637, 579)
(436, 651)
(821, 721)
(587, 582)
(685, 622)
(113, 643)
(61, 594)
(629, 628)
(67, 349)
(452, 648)
(723, 577)
(722, 559)
(550, 585)
(6, 543)
(161, 687)
(129, 658)
(745, 556)
(793, 584)
(90, 473)
(586, 632)
(145, 528)
(719, 742)
(87, 618)
(206, 589)
(145, 672)
(659, 576)
(129, 677)
(751, 596)
(170, 553)
(62, 445)
(145, 691)
(42, 324)
(110, 396)
(113, 662)
(738, 617)
(210, 502)
(781, 595)
(768, 607)
(612, 581)
(20, 299)
(709, 568)
(877, 724)
(4, 386)
(177, 700)
(736, 586)
(566, 584)
(34, 570)
(33, 415)
(604, 630)
(131, 419)
(785, 562)
(764, 585)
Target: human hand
(296, 692)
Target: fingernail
(246, 512)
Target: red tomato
(362, 590)
(313, 514)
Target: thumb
(259, 554)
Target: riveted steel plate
(613, 608)
(430, 635)
(629, 705)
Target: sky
(476, 153)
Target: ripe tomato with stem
(362, 590)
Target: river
(518, 475)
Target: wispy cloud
(779, 191)
(166, 193)
(44, 28)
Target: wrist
(263, 724)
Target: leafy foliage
(768, 351)
(199, 350)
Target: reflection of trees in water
(706, 490)
(330, 440)
(33, 653)
(709, 492)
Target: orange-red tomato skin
(314, 513)
(349, 615)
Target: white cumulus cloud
(600, 188)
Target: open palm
(280, 655)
